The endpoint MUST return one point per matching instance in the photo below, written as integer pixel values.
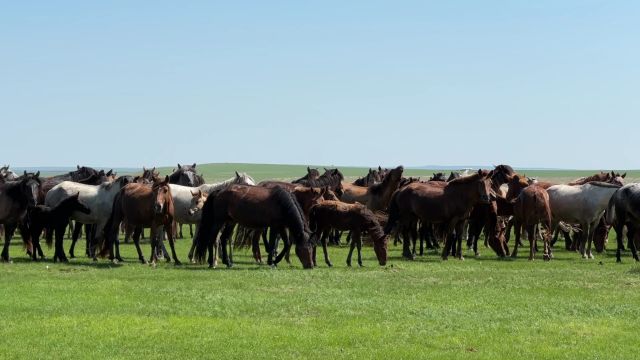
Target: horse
(82, 173)
(624, 210)
(375, 197)
(332, 178)
(530, 208)
(150, 175)
(253, 207)
(54, 220)
(6, 174)
(447, 204)
(15, 198)
(99, 200)
(185, 175)
(581, 204)
(438, 177)
(239, 179)
(312, 174)
(372, 177)
(141, 205)
(355, 218)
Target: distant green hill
(222, 171)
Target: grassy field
(480, 308)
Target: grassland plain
(480, 308)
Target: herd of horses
(438, 213)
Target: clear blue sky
(133, 83)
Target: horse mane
(292, 209)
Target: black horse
(624, 210)
(55, 221)
(15, 198)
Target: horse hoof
(620, 260)
(120, 259)
(530, 259)
(477, 254)
(546, 257)
(360, 264)
(329, 264)
(591, 256)
(461, 258)
(177, 263)
(349, 263)
(114, 261)
(514, 255)
(445, 258)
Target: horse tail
(394, 213)
(111, 227)
(610, 214)
(204, 229)
(25, 234)
(293, 211)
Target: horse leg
(592, 228)
(287, 247)
(8, 233)
(351, 247)
(75, 234)
(273, 245)
(265, 242)
(136, 242)
(357, 238)
(179, 232)
(517, 229)
(531, 234)
(59, 233)
(586, 230)
(325, 250)
(406, 243)
(168, 230)
(446, 249)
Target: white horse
(580, 204)
(7, 174)
(98, 198)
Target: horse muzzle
(485, 199)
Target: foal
(530, 208)
(54, 219)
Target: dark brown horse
(82, 174)
(356, 218)
(372, 177)
(252, 207)
(141, 205)
(531, 208)
(444, 204)
(15, 198)
(312, 174)
(375, 197)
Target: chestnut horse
(356, 218)
(446, 204)
(142, 205)
(530, 208)
(252, 207)
(375, 197)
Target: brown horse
(446, 204)
(252, 207)
(375, 197)
(312, 174)
(142, 205)
(531, 208)
(306, 197)
(356, 218)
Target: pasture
(480, 308)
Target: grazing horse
(312, 174)
(99, 200)
(375, 197)
(446, 204)
(624, 210)
(54, 220)
(252, 207)
(142, 205)
(356, 218)
(15, 198)
(581, 204)
(530, 208)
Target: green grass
(481, 308)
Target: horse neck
(209, 188)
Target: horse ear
(110, 172)
(194, 165)
(144, 168)
(25, 173)
(166, 179)
(37, 174)
(193, 194)
(623, 175)
(237, 175)
(308, 170)
(78, 166)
